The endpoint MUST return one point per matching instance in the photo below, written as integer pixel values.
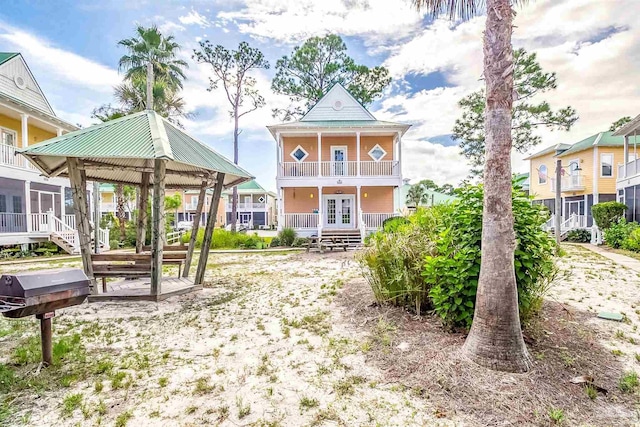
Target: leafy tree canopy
(619, 123)
(528, 113)
(313, 68)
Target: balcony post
(280, 208)
(278, 156)
(24, 133)
(27, 204)
(358, 154)
(399, 143)
(558, 218)
(319, 153)
(320, 207)
(596, 174)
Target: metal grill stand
(46, 337)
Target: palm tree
(495, 339)
(132, 95)
(415, 195)
(150, 46)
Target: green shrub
(607, 213)
(579, 235)
(299, 242)
(275, 242)
(617, 233)
(632, 241)
(433, 260)
(223, 239)
(392, 262)
(287, 236)
(391, 225)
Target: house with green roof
(589, 170)
(256, 206)
(338, 168)
(33, 208)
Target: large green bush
(223, 239)
(607, 213)
(618, 232)
(632, 241)
(579, 235)
(287, 236)
(392, 262)
(434, 261)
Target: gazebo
(142, 150)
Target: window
(261, 199)
(542, 174)
(3, 203)
(606, 165)
(17, 204)
(8, 137)
(299, 154)
(377, 153)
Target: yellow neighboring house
(33, 208)
(589, 169)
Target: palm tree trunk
(121, 211)
(495, 340)
(234, 201)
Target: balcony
(333, 169)
(247, 206)
(8, 157)
(569, 183)
(629, 170)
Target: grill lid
(36, 283)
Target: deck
(139, 289)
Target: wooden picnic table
(327, 242)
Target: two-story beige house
(339, 168)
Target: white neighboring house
(339, 168)
(33, 208)
(256, 206)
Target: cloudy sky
(592, 45)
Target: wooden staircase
(352, 237)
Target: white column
(359, 203)
(586, 209)
(320, 213)
(62, 212)
(280, 208)
(596, 174)
(399, 154)
(27, 204)
(626, 157)
(278, 156)
(358, 154)
(59, 132)
(319, 154)
(24, 119)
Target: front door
(244, 218)
(338, 160)
(339, 211)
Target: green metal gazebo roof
(120, 150)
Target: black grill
(40, 293)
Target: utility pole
(558, 218)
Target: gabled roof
(557, 148)
(17, 81)
(338, 109)
(602, 139)
(249, 187)
(5, 56)
(118, 151)
(337, 104)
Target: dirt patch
(563, 342)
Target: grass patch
(629, 382)
(70, 403)
(307, 403)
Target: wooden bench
(172, 255)
(326, 242)
(120, 265)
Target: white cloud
(194, 18)
(291, 21)
(426, 160)
(66, 67)
(169, 27)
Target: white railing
(300, 220)
(247, 206)
(174, 237)
(13, 222)
(375, 220)
(339, 168)
(39, 222)
(567, 223)
(381, 168)
(295, 169)
(630, 169)
(8, 157)
(568, 183)
(103, 235)
(70, 220)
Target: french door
(339, 211)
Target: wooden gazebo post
(143, 204)
(195, 228)
(208, 232)
(78, 180)
(158, 230)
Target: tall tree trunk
(121, 213)
(495, 340)
(234, 196)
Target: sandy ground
(268, 342)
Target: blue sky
(71, 46)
